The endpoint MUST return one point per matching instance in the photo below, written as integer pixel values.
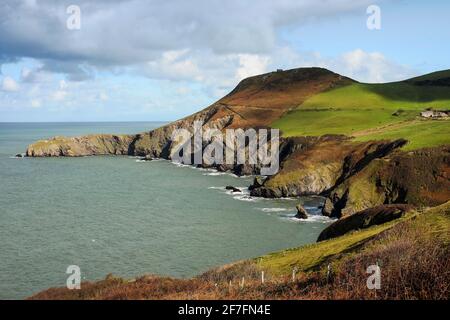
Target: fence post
(242, 283)
(294, 271)
(328, 273)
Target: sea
(122, 216)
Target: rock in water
(257, 183)
(301, 212)
(19, 155)
(233, 189)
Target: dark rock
(233, 189)
(364, 219)
(266, 192)
(301, 212)
(257, 183)
(19, 155)
(327, 207)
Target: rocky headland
(351, 175)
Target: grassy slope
(310, 257)
(356, 108)
(434, 223)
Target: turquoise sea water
(118, 215)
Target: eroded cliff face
(357, 176)
(420, 178)
(320, 164)
(155, 143)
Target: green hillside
(433, 224)
(375, 111)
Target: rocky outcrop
(153, 144)
(319, 164)
(301, 212)
(364, 219)
(233, 189)
(257, 183)
(356, 176)
(419, 178)
(90, 145)
(158, 142)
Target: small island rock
(301, 212)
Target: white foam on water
(244, 197)
(214, 174)
(181, 165)
(220, 173)
(311, 218)
(14, 157)
(273, 209)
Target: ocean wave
(311, 218)
(220, 173)
(244, 197)
(273, 209)
(216, 173)
(217, 188)
(181, 165)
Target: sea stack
(301, 212)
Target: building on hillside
(434, 114)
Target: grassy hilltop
(375, 111)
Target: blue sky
(135, 60)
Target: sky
(159, 60)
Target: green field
(366, 111)
(420, 134)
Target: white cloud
(9, 84)
(36, 75)
(357, 64)
(174, 65)
(372, 67)
(251, 65)
(129, 33)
